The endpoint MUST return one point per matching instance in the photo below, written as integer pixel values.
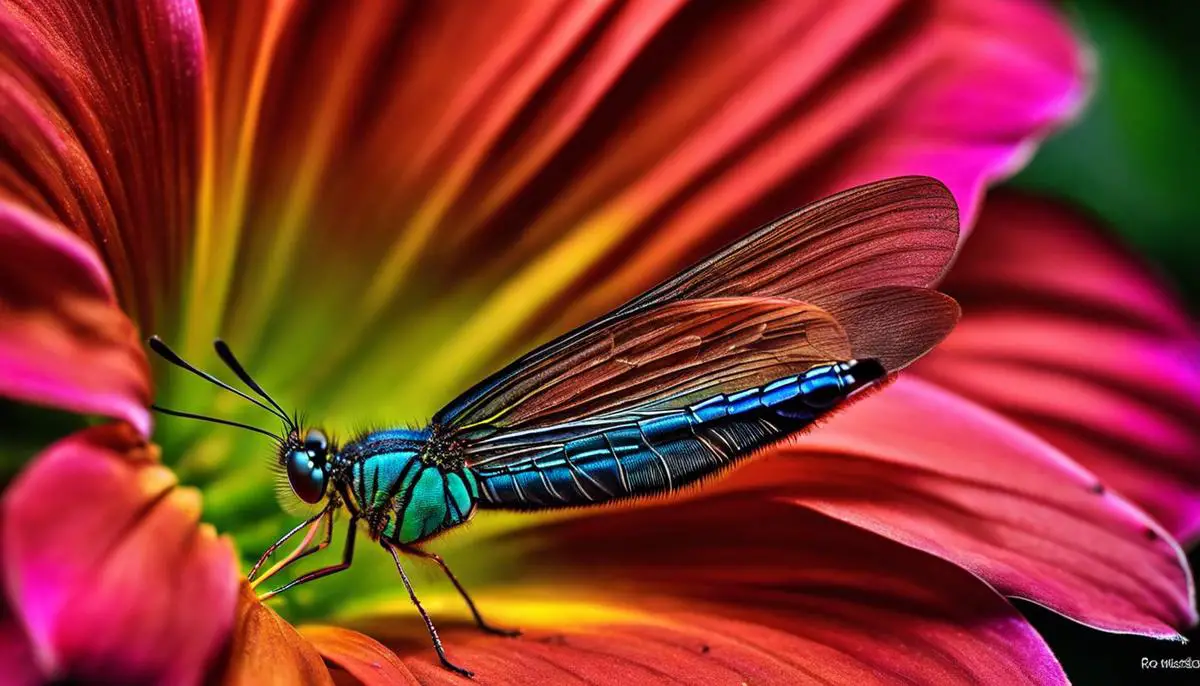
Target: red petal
(108, 568)
(846, 96)
(1068, 334)
(937, 472)
(100, 106)
(363, 657)
(734, 589)
(540, 148)
(267, 650)
(63, 340)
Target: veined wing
(657, 360)
(865, 255)
(754, 343)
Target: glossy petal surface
(265, 649)
(64, 341)
(734, 588)
(1071, 336)
(108, 568)
(935, 471)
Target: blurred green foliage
(1131, 157)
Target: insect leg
(433, 634)
(304, 550)
(347, 558)
(278, 544)
(479, 621)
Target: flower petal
(108, 568)
(17, 662)
(101, 129)
(1068, 334)
(363, 657)
(267, 650)
(734, 589)
(63, 340)
(756, 111)
(937, 472)
(513, 156)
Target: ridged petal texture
(1074, 338)
(734, 588)
(101, 106)
(473, 176)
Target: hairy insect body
(403, 493)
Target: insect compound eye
(306, 474)
(316, 441)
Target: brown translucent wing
(895, 324)
(893, 236)
(667, 356)
(898, 232)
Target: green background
(1131, 157)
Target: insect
(745, 348)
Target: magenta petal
(123, 583)
(64, 341)
(935, 471)
(1066, 332)
(17, 663)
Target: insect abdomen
(668, 450)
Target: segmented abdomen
(667, 450)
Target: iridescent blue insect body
(746, 348)
(410, 485)
(643, 454)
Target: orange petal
(671, 593)
(363, 657)
(267, 650)
(108, 568)
(1071, 336)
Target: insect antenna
(230, 361)
(164, 351)
(217, 420)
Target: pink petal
(101, 111)
(1068, 334)
(935, 471)
(63, 340)
(125, 583)
(17, 662)
(734, 588)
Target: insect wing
(865, 256)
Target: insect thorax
(408, 484)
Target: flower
(468, 176)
